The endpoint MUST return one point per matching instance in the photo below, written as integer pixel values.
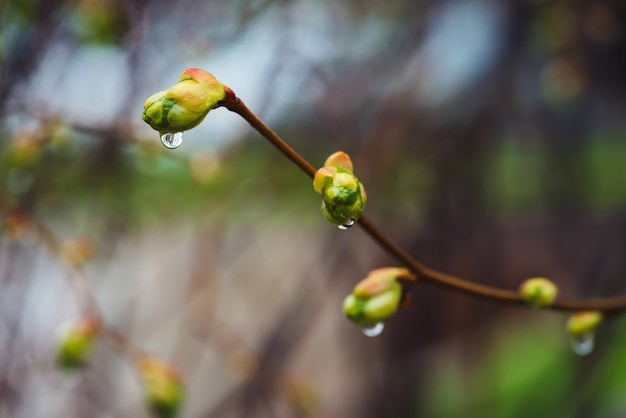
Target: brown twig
(608, 305)
(76, 277)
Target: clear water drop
(373, 330)
(582, 344)
(347, 225)
(172, 140)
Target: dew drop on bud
(172, 140)
(582, 344)
(347, 225)
(373, 330)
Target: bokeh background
(491, 138)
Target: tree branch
(608, 305)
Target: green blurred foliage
(146, 182)
(529, 371)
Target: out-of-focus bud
(26, 147)
(302, 396)
(584, 322)
(15, 225)
(581, 327)
(76, 343)
(241, 365)
(163, 389)
(377, 297)
(77, 250)
(343, 195)
(185, 104)
(563, 80)
(538, 292)
(204, 167)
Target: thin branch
(608, 305)
(77, 279)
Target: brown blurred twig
(75, 275)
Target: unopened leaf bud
(185, 104)
(163, 388)
(538, 292)
(77, 250)
(76, 343)
(343, 195)
(377, 297)
(583, 322)
(581, 328)
(26, 147)
(15, 225)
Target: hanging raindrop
(172, 140)
(373, 330)
(347, 225)
(582, 344)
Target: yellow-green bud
(163, 389)
(343, 195)
(77, 343)
(375, 298)
(185, 104)
(26, 147)
(77, 250)
(581, 327)
(538, 292)
(583, 323)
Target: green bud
(163, 390)
(583, 323)
(26, 148)
(375, 298)
(185, 104)
(77, 343)
(538, 292)
(343, 195)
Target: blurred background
(490, 136)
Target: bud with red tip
(77, 342)
(343, 195)
(77, 250)
(581, 327)
(185, 104)
(377, 297)
(163, 389)
(583, 322)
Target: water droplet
(347, 225)
(373, 330)
(582, 344)
(172, 140)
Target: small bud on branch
(581, 327)
(377, 297)
(581, 323)
(76, 343)
(343, 195)
(538, 292)
(185, 104)
(163, 389)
